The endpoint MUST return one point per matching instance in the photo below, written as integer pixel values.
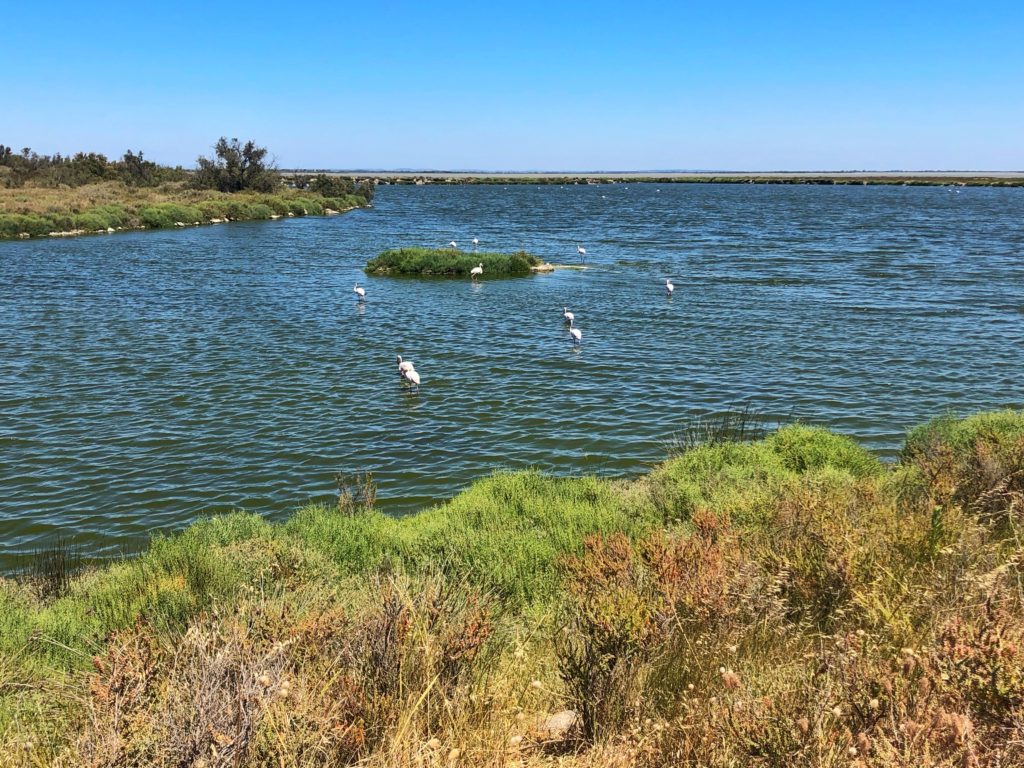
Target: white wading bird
(359, 292)
(582, 252)
(412, 377)
(476, 271)
(577, 335)
(404, 366)
(569, 316)
(453, 244)
(668, 286)
(476, 241)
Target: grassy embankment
(112, 205)
(448, 262)
(784, 602)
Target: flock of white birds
(407, 371)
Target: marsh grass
(38, 211)
(51, 569)
(729, 426)
(449, 262)
(356, 492)
(788, 601)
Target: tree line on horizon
(233, 167)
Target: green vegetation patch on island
(449, 262)
(788, 600)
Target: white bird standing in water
(453, 244)
(668, 286)
(476, 241)
(404, 366)
(476, 271)
(577, 335)
(582, 252)
(359, 292)
(569, 316)
(412, 377)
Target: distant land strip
(890, 178)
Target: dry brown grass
(39, 201)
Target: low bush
(168, 214)
(89, 222)
(15, 225)
(428, 262)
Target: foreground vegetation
(449, 262)
(44, 195)
(784, 602)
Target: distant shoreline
(891, 178)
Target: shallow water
(146, 378)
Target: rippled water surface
(146, 378)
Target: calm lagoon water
(147, 378)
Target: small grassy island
(784, 601)
(44, 195)
(449, 262)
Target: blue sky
(525, 85)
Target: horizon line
(674, 171)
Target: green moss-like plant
(449, 262)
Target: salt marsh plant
(449, 262)
(789, 601)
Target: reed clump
(450, 262)
(788, 601)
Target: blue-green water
(147, 378)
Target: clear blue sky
(525, 85)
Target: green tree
(236, 167)
(332, 186)
(366, 189)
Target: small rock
(560, 726)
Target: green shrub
(213, 209)
(61, 222)
(15, 224)
(332, 186)
(155, 218)
(505, 533)
(168, 214)
(962, 436)
(744, 480)
(803, 448)
(276, 203)
(313, 207)
(114, 215)
(974, 463)
(430, 262)
(89, 222)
